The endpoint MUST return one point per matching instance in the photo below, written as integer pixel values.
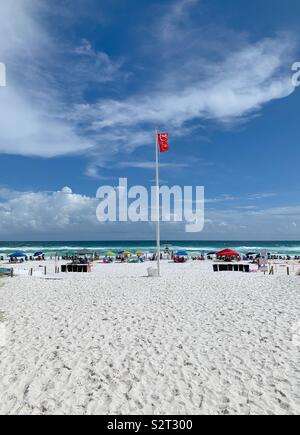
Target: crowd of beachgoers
(86, 256)
(43, 264)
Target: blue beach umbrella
(38, 254)
(17, 255)
(182, 254)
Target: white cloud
(169, 26)
(241, 85)
(29, 130)
(20, 33)
(95, 66)
(39, 117)
(246, 197)
(229, 91)
(151, 165)
(31, 110)
(40, 213)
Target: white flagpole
(157, 206)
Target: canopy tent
(229, 253)
(18, 255)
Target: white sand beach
(117, 342)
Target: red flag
(163, 142)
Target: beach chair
(6, 272)
(133, 260)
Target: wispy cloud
(95, 66)
(234, 89)
(242, 84)
(94, 169)
(31, 105)
(151, 165)
(174, 19)
(44, 111)
(247, 197)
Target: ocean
(243, 247)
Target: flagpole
(157, 205)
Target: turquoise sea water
(243, 247)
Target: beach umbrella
(211, 253)
(140, 253)
(38, 254)
(228, 253)
(182, 254)
(127, 253)
(250, 254)
(110, 253)
(17, 255)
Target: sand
(117, 342)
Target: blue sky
(88, 81)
